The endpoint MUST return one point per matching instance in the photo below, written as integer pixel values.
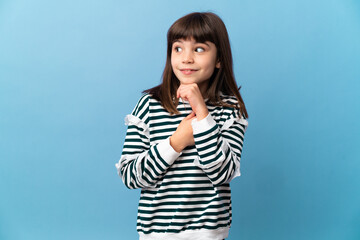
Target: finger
(191, 115)
(178, 92)
(183, 97)
(184, 94)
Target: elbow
(121, 174)
(219, 181)
(128, 186)
(226, 172)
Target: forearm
(219, 155)
(139, 170)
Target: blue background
(71, 70)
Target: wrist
(176, 144)
(202, 114)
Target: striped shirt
(183, 195)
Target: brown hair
(202, 26)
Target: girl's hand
(191, 93)
(183, 136)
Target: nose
(188, 57)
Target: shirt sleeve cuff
(167, 152)
(204, 124)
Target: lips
(187, 71)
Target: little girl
(185, 136)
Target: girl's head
(198, 50)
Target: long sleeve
(219, 149)
(141, 164)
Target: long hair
(202, 26)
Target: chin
(187, 80)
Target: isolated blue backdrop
(71, 70)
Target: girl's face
(193, 62)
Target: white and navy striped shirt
(184, 195)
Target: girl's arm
(141, 164)
(219, 149)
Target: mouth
(187, 71)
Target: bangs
(191, 26)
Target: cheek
(173, 62)
(174, 65)
(210, 67)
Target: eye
(177, 49)
(199, 49)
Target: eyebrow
(180, 41)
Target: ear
(217, 65)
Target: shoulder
(139, 115)
(234, 118)
(141, 108)
(144, 98)
(232, 100)
(142, 104)
(229, 99)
